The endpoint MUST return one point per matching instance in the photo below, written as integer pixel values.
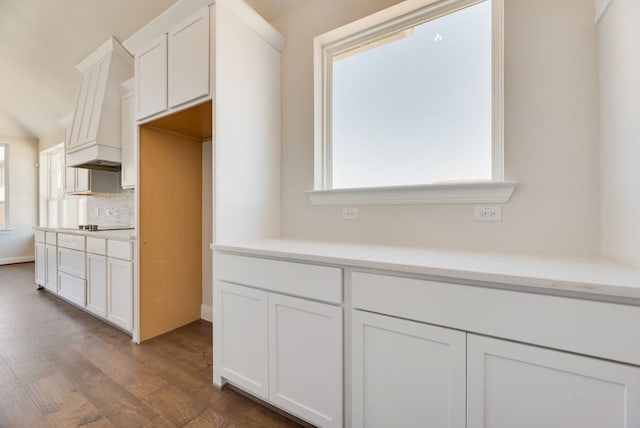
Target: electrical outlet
(487, 213)
(349, 213)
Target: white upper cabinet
(151, 78)
(129, 136)
(174, 69)
(189, 60)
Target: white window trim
(7, 212)
(393, 19)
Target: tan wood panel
(195, 122)
(170, 231)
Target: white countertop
(122, 234)
(592, 277)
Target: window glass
(62, 210)
(416, 106)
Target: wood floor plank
(208, 419)
(121, 407)
(175, 405)
(60, 367)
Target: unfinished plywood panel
(170, 231)
(194, 122)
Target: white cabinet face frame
(511, 384)
(188, 60)
(151, 79)
(305, 359)
(244, 337)
(406, 374)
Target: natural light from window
(415, 108)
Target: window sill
(6, 230)
(494, 192)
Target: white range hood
(94, 140)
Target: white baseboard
(12, 260)
(206, 313)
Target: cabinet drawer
(120, 249)
(605, 330)
(72, 288)
(50, 238)
(39, 236)
(71, 262)
(322, 283)
(96, 245)
(75, 242)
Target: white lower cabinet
(120, 292)
(72, 288)
(305, 359)
(97, 284)
(285, 350)
(51, 275)
(406, 374)
(245, 333)
(514, 385)
(89, 271)
(41, 264)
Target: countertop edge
(120, 234)
(578, 288)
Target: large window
(58, 209)
(409, 98)
(4, 186)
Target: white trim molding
(600, 8)
(206, 312)
(378, 27)
(497, 192)
(14, 260)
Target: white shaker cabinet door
(406, 374)
(83, 180)
(72, 288)
(120, 293)
(51, 274)
(151, 79)
(129, 141)
(514, 385)
(188, 62)
(305, 359)
(244, 341)
(97, 284)
(41, 264)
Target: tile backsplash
(110, 210)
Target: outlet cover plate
(492, 213)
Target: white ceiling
(42, 40)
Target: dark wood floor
(60, 367)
